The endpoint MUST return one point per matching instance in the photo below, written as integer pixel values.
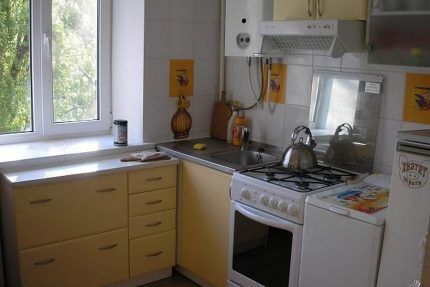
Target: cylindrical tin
(119, 132)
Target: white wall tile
(171, 31)
(386, 141)
(182, 40)
(324, 61)
(183, 10)
(206, 78)
(158, 114)
(293, 59)
(207, 42)
(157, 39)
(299, 81)
(233, 76)
(202, 113)
(393, 95)
(355, 61)
(208, 11)
(158, 9)
(267, 125)
(156, 78)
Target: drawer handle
(154, 178)
(154, 254)
(39, 201)
(154, 201)
(44, 262)
(107, 189)
(108, 247)
(153, 224)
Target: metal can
(119, 132)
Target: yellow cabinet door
(151, 179)
(319, 9)
(152, 253)
(89, 261)
(204, 222)
(293, 9)
(152, 223)
(55, 212)
(152, 201)
(342, 9)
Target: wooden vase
(181, 120)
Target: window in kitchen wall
(54, 68)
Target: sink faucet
(245, 138)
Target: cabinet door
(151, 179)
(152, 201)
(293, 9)
(204, 222)
(341, 9)
(90, 261)
(152, 223)
(54, 212)
(152, 253)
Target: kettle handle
(347, 126)
(309, 141)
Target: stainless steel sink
(245, 158)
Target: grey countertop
(184, 150)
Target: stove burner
(300, 185)
(269, 175)
(331, 177)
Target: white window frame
(42, 96)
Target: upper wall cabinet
(398, 32)
(320, 9)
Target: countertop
(184, 150)
(92, 166)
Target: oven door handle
(282, 224)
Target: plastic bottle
(230, 126)
(239, 124)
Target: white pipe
(222, 50)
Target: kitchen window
(54, 68)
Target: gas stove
(281, 191)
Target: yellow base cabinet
(90, 261)
(59, 211)
(116, 228)
(320, 9)
(152, 220)
(151, 253)
(203, 224)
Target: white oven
(264, 250)
(266, 222)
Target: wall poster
(181, 78)
(277, 84)
(417, 99)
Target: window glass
(15, 71)
(74, 60)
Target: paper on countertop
(146, 156)
(382, 180)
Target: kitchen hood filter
(334, 37)
(285, 43)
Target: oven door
(264, 250)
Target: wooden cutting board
(220, 115)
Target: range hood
(333, 37)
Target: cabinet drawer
(152, 253)
(90, 261)
(150, 179)
(59, 211)
(152, 201)
(152, 223)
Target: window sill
(32, 154)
